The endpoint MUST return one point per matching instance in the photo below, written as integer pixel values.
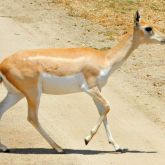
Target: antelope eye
(148, 29)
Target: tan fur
(60, 62)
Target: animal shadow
(70, 151)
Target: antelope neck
(122, 50)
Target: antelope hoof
(86, 141)
(59, 150)
(7, 151)
(122, 150)
(4, 149)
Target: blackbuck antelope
(62, 71)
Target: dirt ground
(136, 93)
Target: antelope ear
(137, 19)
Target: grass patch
(116, 15)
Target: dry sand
(136, 93)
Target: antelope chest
(103, 77)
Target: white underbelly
(62, 85)
(56, 85)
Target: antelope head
(145, 33)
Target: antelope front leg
(98, 98)
(107, 129)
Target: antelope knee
(107, 108)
